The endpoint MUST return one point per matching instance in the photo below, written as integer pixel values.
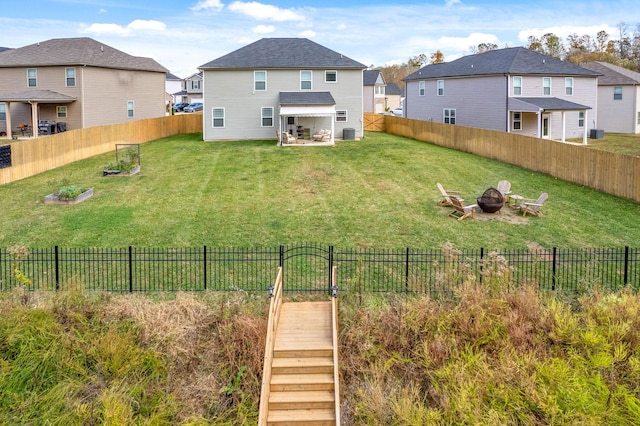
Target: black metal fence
(307, 268)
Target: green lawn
(621, 143)
(379, 192)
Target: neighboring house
(618, 98)
(73, 83)
(173, 84)
(511, 90)
(190, 90)
(394, 96)
(281, 84)
(373, 95)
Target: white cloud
(103, 11)
(208, 4)
(464, 43)
(307, 34)
(450, 3)
(263, 29)
(115, 29)
(265, 12)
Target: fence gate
(306, 268)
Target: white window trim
(310, 79)
(3, 111)
(66, 76)
(255, 80)
(440, 85)
(330, 71)
(262, 116)
(213, 117)
(544, 87)
(517, 77)
(133, 109)
(35, 77)
(568, 86)
(422, 88)
(614, 93)
(514, 121)
(59, 111)
(581, 119)
(444, 116)
(340, 114)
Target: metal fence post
(406, 270)
(481, 263)
(204, 252)
(553, 270)
(57, 268)
(626, 265)
(130, 269)
(330, 270)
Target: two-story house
(191, 89)
(374, 92)
(512, 90)
(72, 83)
(618, 98)
(281, 85)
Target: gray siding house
(77, 82)
(512, 90)
(374, 92)
(291, 85)
(618, 98)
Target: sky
(184, 34)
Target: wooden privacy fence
(33, 156)
(616, 174)
(374, 122)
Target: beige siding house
(374, 92)
(282, 85)
(65, 84)
(512, 90)
(618, 98)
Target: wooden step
(301, 382)
(314, 417)
(301, 400)
(308, 365)
(302, 353)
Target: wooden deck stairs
(300, 379)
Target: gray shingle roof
(514, 61)
(392, 89)
(283, 53)
(548, 104)
(37, 95)
(613, 75)
(370, 77)
(306, 98)
(76, 51)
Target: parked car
(196, 106)
(180, 106)
(397, 112)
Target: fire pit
(491, 201)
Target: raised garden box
(53, 198)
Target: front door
(546, 123)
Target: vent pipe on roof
(102, 48)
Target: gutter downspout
(508, 123)
(82, 96)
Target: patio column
(564, 125)
(8, 121)
(333, 128)
(34, 118)
(584, 136)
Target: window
(61, 111)
(218, 117)
(449, 116)
(517, 121)
(305, 80)
(341, 116)
(581, 119)
(546, 86)
(440, 87)
(32, 77)
(568, 86)
(3, 112)
(422, 86)
(639, 118)
(379, 90)
(617, 93)
(291, 121)
(259, 80)
(130, 109)
(71, 77)
(330, 76)
(267, 117)
(517, 86)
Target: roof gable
(283, 53)
(76, 51)
(513, 61)
(613, 74)
(372, 77)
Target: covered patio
(544, 108)
(33, 98)
(304, 114)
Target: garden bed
(114, 172)
(54, 199)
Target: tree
(483, 47)
(436, 58)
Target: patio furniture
(446, 195)
(286, 137)
(504, 186)
(461, 211)
(533, 206)
(491, 201)
(322, 135)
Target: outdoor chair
(446, 196)
(504, 186)
(286, 137)
(322, 135)
(461, 211)
(533, 206)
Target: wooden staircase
(300, 386)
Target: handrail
(334, 321)
(275, 294)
